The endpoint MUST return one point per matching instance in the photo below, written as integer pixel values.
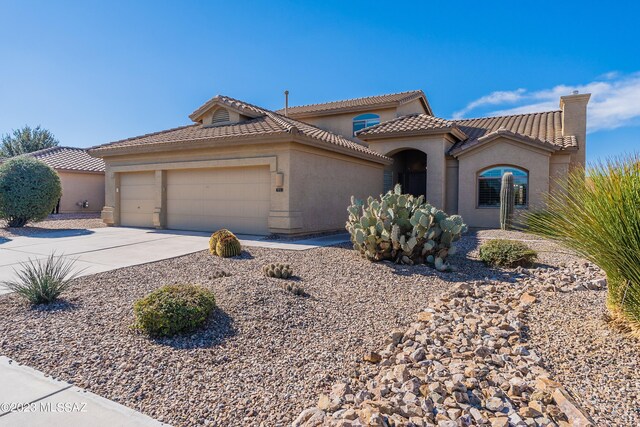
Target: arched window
(490, 181)
(364, 121)
(220, 116)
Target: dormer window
(364, 121)
(221, 115)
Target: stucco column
(111, 211)
(436, 178)
(160, 210)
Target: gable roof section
(266, 123)
(240, 106)
(409, 125)
(358, 104)
(543, 129)
(67, 158)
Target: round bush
(173, 309)
(507, 253)
(29, 191)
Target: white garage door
(210, 199)
(137, 199)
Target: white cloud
(494, 98)
(615, 101)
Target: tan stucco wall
(309, 176)
(343, 123)
(78, 187)
(451, 197)
(434, 147)
(498, 153)
(321, 186)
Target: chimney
(286, 103)
(574, 122)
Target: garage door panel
(137, 199)
(209, 199)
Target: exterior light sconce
(279, 182)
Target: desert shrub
(600, 219)
(277, 270)
(173, 309)
(507, 253)
(404, 229)
(42, 281)
(224, 243)
(29, 191)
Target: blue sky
(93, 72)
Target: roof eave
(378, 158)
(482, 141)
(398, 134)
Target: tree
(29, 190)
(26, 140)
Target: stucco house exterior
(81, 178)
(293, 171)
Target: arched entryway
(409, 169)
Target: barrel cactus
(507, 201)
(277, 270)
(404, 229)
(224, 243)
(295, 289)
(215, 237)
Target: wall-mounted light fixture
(279, 180)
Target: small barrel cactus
(293, 288)
(217, 274)
(507, 201)
(277, 270)
(228, 246)
(224, 243)
(215, 237)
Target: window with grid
(364, 121)
(490, 181)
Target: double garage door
(200, 199)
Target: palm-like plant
(42, 281)
(599, 218)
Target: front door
(413, 182)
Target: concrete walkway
(105, 249)
(29, 398)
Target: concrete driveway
(103, 249)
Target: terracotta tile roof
(410, 124)
(68, 158)
(266, 123)
(544, 128)
(347, 104)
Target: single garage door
(137, 199)
(210, 199)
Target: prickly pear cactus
(507, 201)
(277, 270)
(404, 229)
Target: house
(81, 177)
(293, 171)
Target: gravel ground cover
(595, 361)
(266, 355)
(53, 222)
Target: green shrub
(600, 219)
(29, 191)
(507, 253)
(277, 270)
(42, 281)
(404, 229)
(224, 243)
(173, 309)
